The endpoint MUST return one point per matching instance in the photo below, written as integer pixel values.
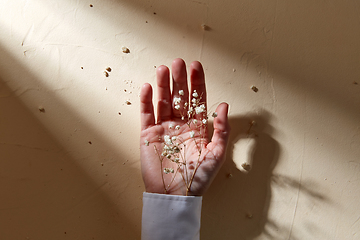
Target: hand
(194, 161)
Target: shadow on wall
(236, 206)
(45, 194)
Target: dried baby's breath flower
(176, 149)
(214, 114)
(167, 140)
(146, 142)
(200, 109)
(177, 100)
(168, 170)
(174, 144)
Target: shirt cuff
(170, 217)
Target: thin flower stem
(185, 166)
(193, 175)
(161, 168)
(172, 180)
(199, 150)
(182, 175)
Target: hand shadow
(236, 206)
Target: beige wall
(303, 56)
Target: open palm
(192, 168)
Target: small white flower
(195, 94)
(204, 121)
(176, 149)
(195, 121)
(177, 160)
(146, 142)
(173, 138)
(182, 118)
(181, 92)
(186, 104)
(168, 170)
(193, 100)
(192, 134)
(177, 107)
(171, 125)
(167, 140)
(200, 109)
(177, 127)
(177, 100)
(168, 156)
(214, 114)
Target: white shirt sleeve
(170, 217)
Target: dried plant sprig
(174, 148)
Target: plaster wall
(69, 154)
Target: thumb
(221, 134)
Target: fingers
(197, 78)
(164, 110)
(166, 107)
(221, 131)
(146, 107)
(179, 77)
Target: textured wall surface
(69, 149)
